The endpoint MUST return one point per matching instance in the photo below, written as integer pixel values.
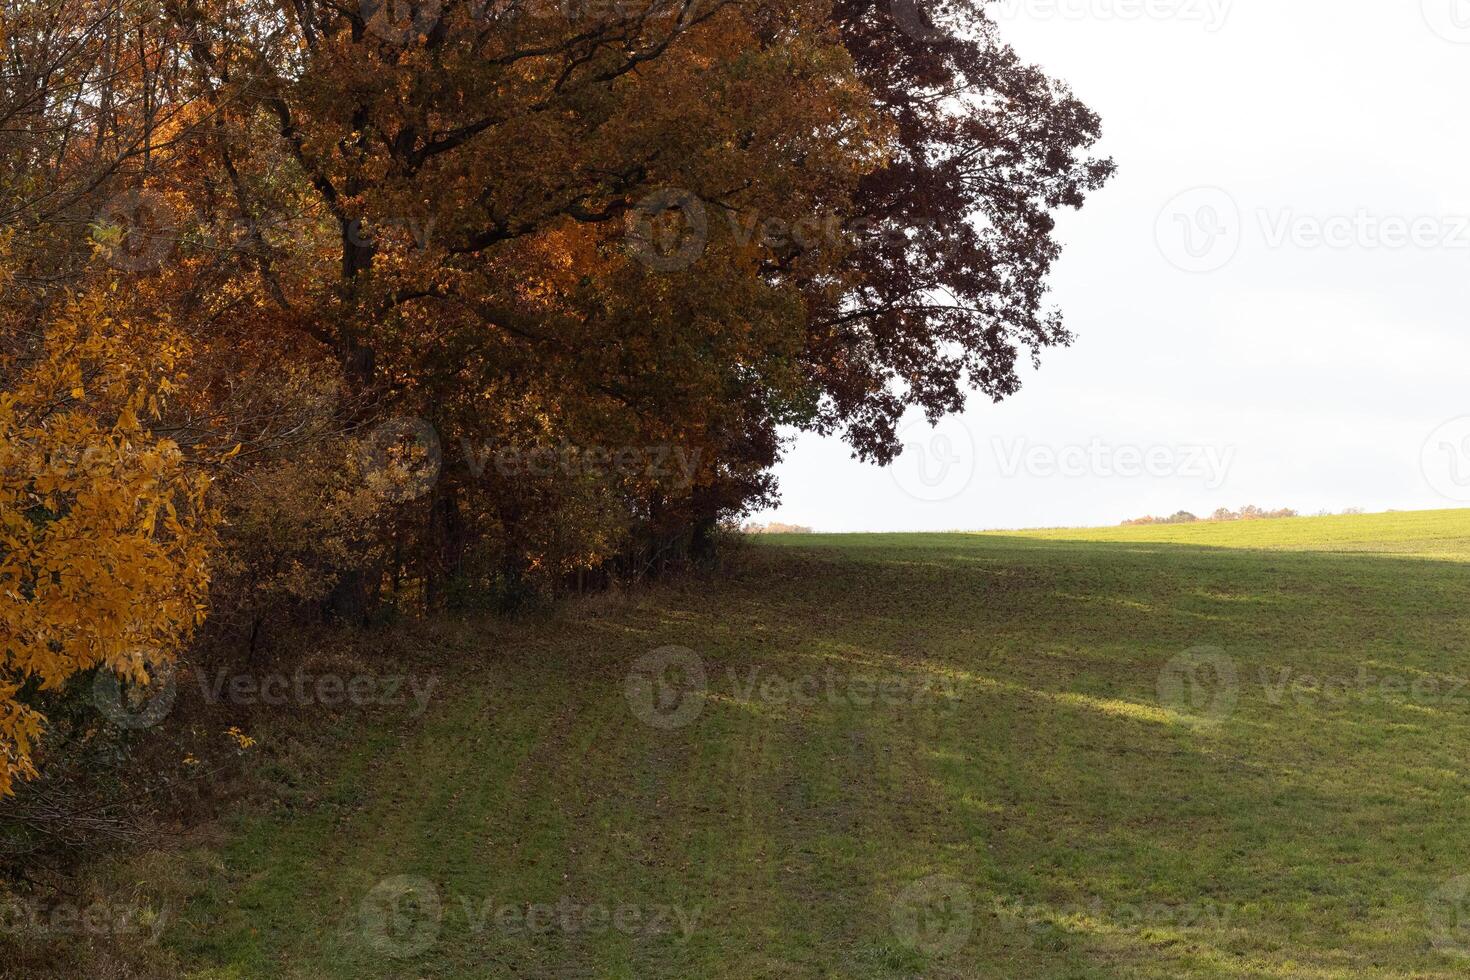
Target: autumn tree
(673, 224)
(985, 150)
(103, 528)
(439, 204)
(103, 524)
(593, 259)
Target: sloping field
(1208, 751)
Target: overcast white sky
(1270, 298)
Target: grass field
(1233, 750)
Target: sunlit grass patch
(944, 755)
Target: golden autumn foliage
(592, 261)
(103, 529)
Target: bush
(103, 530)
(776, 527)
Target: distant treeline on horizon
(1249, 512)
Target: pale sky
(1270, 298)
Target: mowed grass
(915, 755)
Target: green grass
(987, 726)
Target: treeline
(314, 310)
(1250, 512)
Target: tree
(391, 214)
(593, 261)
(953, 235)
(103, 529)
(682, 224)
(103, 526)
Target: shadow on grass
(977, 721)
(1289, 817)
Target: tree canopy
(314, 306)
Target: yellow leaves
(241, 739)
(103, 530)
(20, 727)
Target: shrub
(776, 527)
(103, 528)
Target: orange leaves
(103, 529)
